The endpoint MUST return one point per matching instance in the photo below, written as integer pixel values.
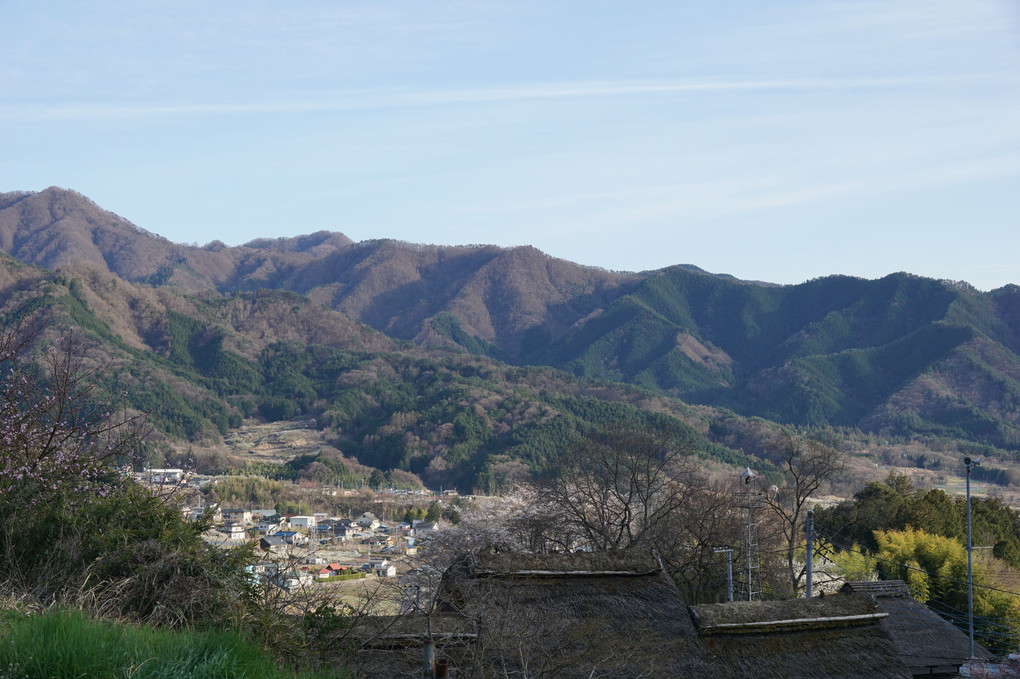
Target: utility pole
(729, 570)
(970, 463)
(810, 529)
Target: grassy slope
(61, 645)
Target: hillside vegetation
(468, 366)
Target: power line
(857, 550)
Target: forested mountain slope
(201, 364)
(899, 356)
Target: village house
(196, 512)
(242, 516)
(425, 528)
(269, 525)
(291, 537)
(162, 476)
(275, 544)
(267, 569)
(233, 531)
(367, 521)
(291, 581)
(304, 522)
(338, 528)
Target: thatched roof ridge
(878, 588)
(841, 605)
(827, 636)
(794, 625)
(609, 563)
(623, 612)
(618, 600)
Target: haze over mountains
(900, 356)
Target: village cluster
(298, 550)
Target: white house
(367, 521)
(238, 515)
(196, 512)
(307, 522)
(423, 528)
(233, 531)
(296, 580)
(384, 569)
(154, 476)
(268, 527)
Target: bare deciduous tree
(709, 520)
(807, 465)
(618, 489)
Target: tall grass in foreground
(61, 645)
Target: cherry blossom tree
(59, 437)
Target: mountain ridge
(901, 356)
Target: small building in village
(275, 544)
(305, 522)
(242, 516)
(367, 521)
(234, 531)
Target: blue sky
(773, 140)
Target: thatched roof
(586, 614)
(925, 642)
(579, 563)
(831, 636)
(620, 588)
(713, 615)
(878, 587)
(618, 614)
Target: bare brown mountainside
(57, 227)
(901, 356)
(515, 299)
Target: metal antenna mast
(751, 499)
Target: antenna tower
(751, 499)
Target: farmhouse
(610, 613)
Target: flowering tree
(58, 438)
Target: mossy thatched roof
(788, 609)
(832, 636)
(922, 638)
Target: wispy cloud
(386, 99)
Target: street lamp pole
(970, 463)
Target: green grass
(61, 645)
